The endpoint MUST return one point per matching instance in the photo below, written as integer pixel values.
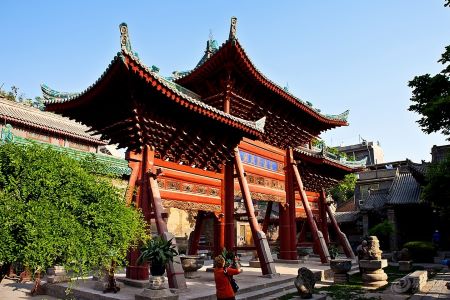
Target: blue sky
(339, 55)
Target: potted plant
(334, 251)
(158, 252)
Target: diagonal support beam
(319, 241)
(341, 236)
(195, 236)
(259, 238)
(266, 222)
(175, 272)
(323, 216)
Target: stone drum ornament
(304, 283)
(372, 265)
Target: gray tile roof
(17, 113)
(346, 216)
(404, 190)
(376, 200)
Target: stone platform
(251, 282)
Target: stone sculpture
(304, 283)
(372, 264)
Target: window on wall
(364, 190)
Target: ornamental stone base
(373, 275)
(157, 290)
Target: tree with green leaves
(345, 189)
(437, 190)
(431, 97)
(15, 96)
(54, 212)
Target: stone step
(251, 292)
(279, 295)
(265, 292)
(267, 285)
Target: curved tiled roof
(168, 87)
(340, 119)
(17, 113)
(318, 153)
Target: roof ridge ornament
(233, 29)
(125, 44)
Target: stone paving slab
(11, 290)
(435, 288)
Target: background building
(370, 150)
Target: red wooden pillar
(219, 234)
(195, 237)
(134, 270)
(290, 198)
(319, 241)
(284, 229)
(323, 216)
(259, 238)
(228, 196)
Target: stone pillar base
(374, 275)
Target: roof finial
(124, 38)
(233, 28)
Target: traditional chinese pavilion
(201, 139)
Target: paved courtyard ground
(203, 287)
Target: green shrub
(421, 251)
(382, 229)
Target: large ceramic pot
(340, 266)
(190, 264)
